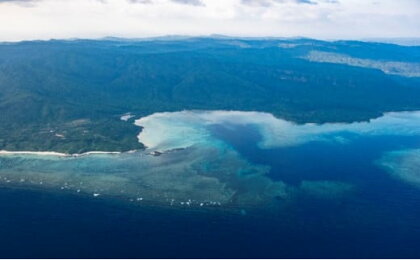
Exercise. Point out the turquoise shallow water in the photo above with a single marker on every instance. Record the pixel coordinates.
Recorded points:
(230, 184)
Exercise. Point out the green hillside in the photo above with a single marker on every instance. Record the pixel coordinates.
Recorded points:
(69, 95)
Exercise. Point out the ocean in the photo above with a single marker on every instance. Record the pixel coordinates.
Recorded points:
(342, 193)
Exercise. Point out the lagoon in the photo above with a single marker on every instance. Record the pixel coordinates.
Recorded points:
(355, 185)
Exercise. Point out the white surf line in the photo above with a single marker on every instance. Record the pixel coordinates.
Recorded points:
(5, 152)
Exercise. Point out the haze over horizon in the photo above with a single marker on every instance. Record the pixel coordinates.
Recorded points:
(320, 19)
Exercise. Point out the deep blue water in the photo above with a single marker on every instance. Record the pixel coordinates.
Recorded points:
(380, 218)
(37, 224)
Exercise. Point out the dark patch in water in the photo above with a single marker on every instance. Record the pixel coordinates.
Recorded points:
(51, 225)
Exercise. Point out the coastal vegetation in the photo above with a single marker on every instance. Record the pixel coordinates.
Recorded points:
(69, 96)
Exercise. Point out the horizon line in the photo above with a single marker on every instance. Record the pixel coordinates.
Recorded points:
(178, 37)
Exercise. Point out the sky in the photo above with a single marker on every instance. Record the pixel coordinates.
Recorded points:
(321, 19)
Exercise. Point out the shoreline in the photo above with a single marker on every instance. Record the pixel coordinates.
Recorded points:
(52, 153)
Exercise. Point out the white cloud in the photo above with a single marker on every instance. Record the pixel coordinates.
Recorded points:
(45, 19)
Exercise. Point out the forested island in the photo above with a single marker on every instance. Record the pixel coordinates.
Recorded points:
(69, 95)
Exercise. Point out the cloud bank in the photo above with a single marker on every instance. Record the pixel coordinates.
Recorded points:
(338, 19)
